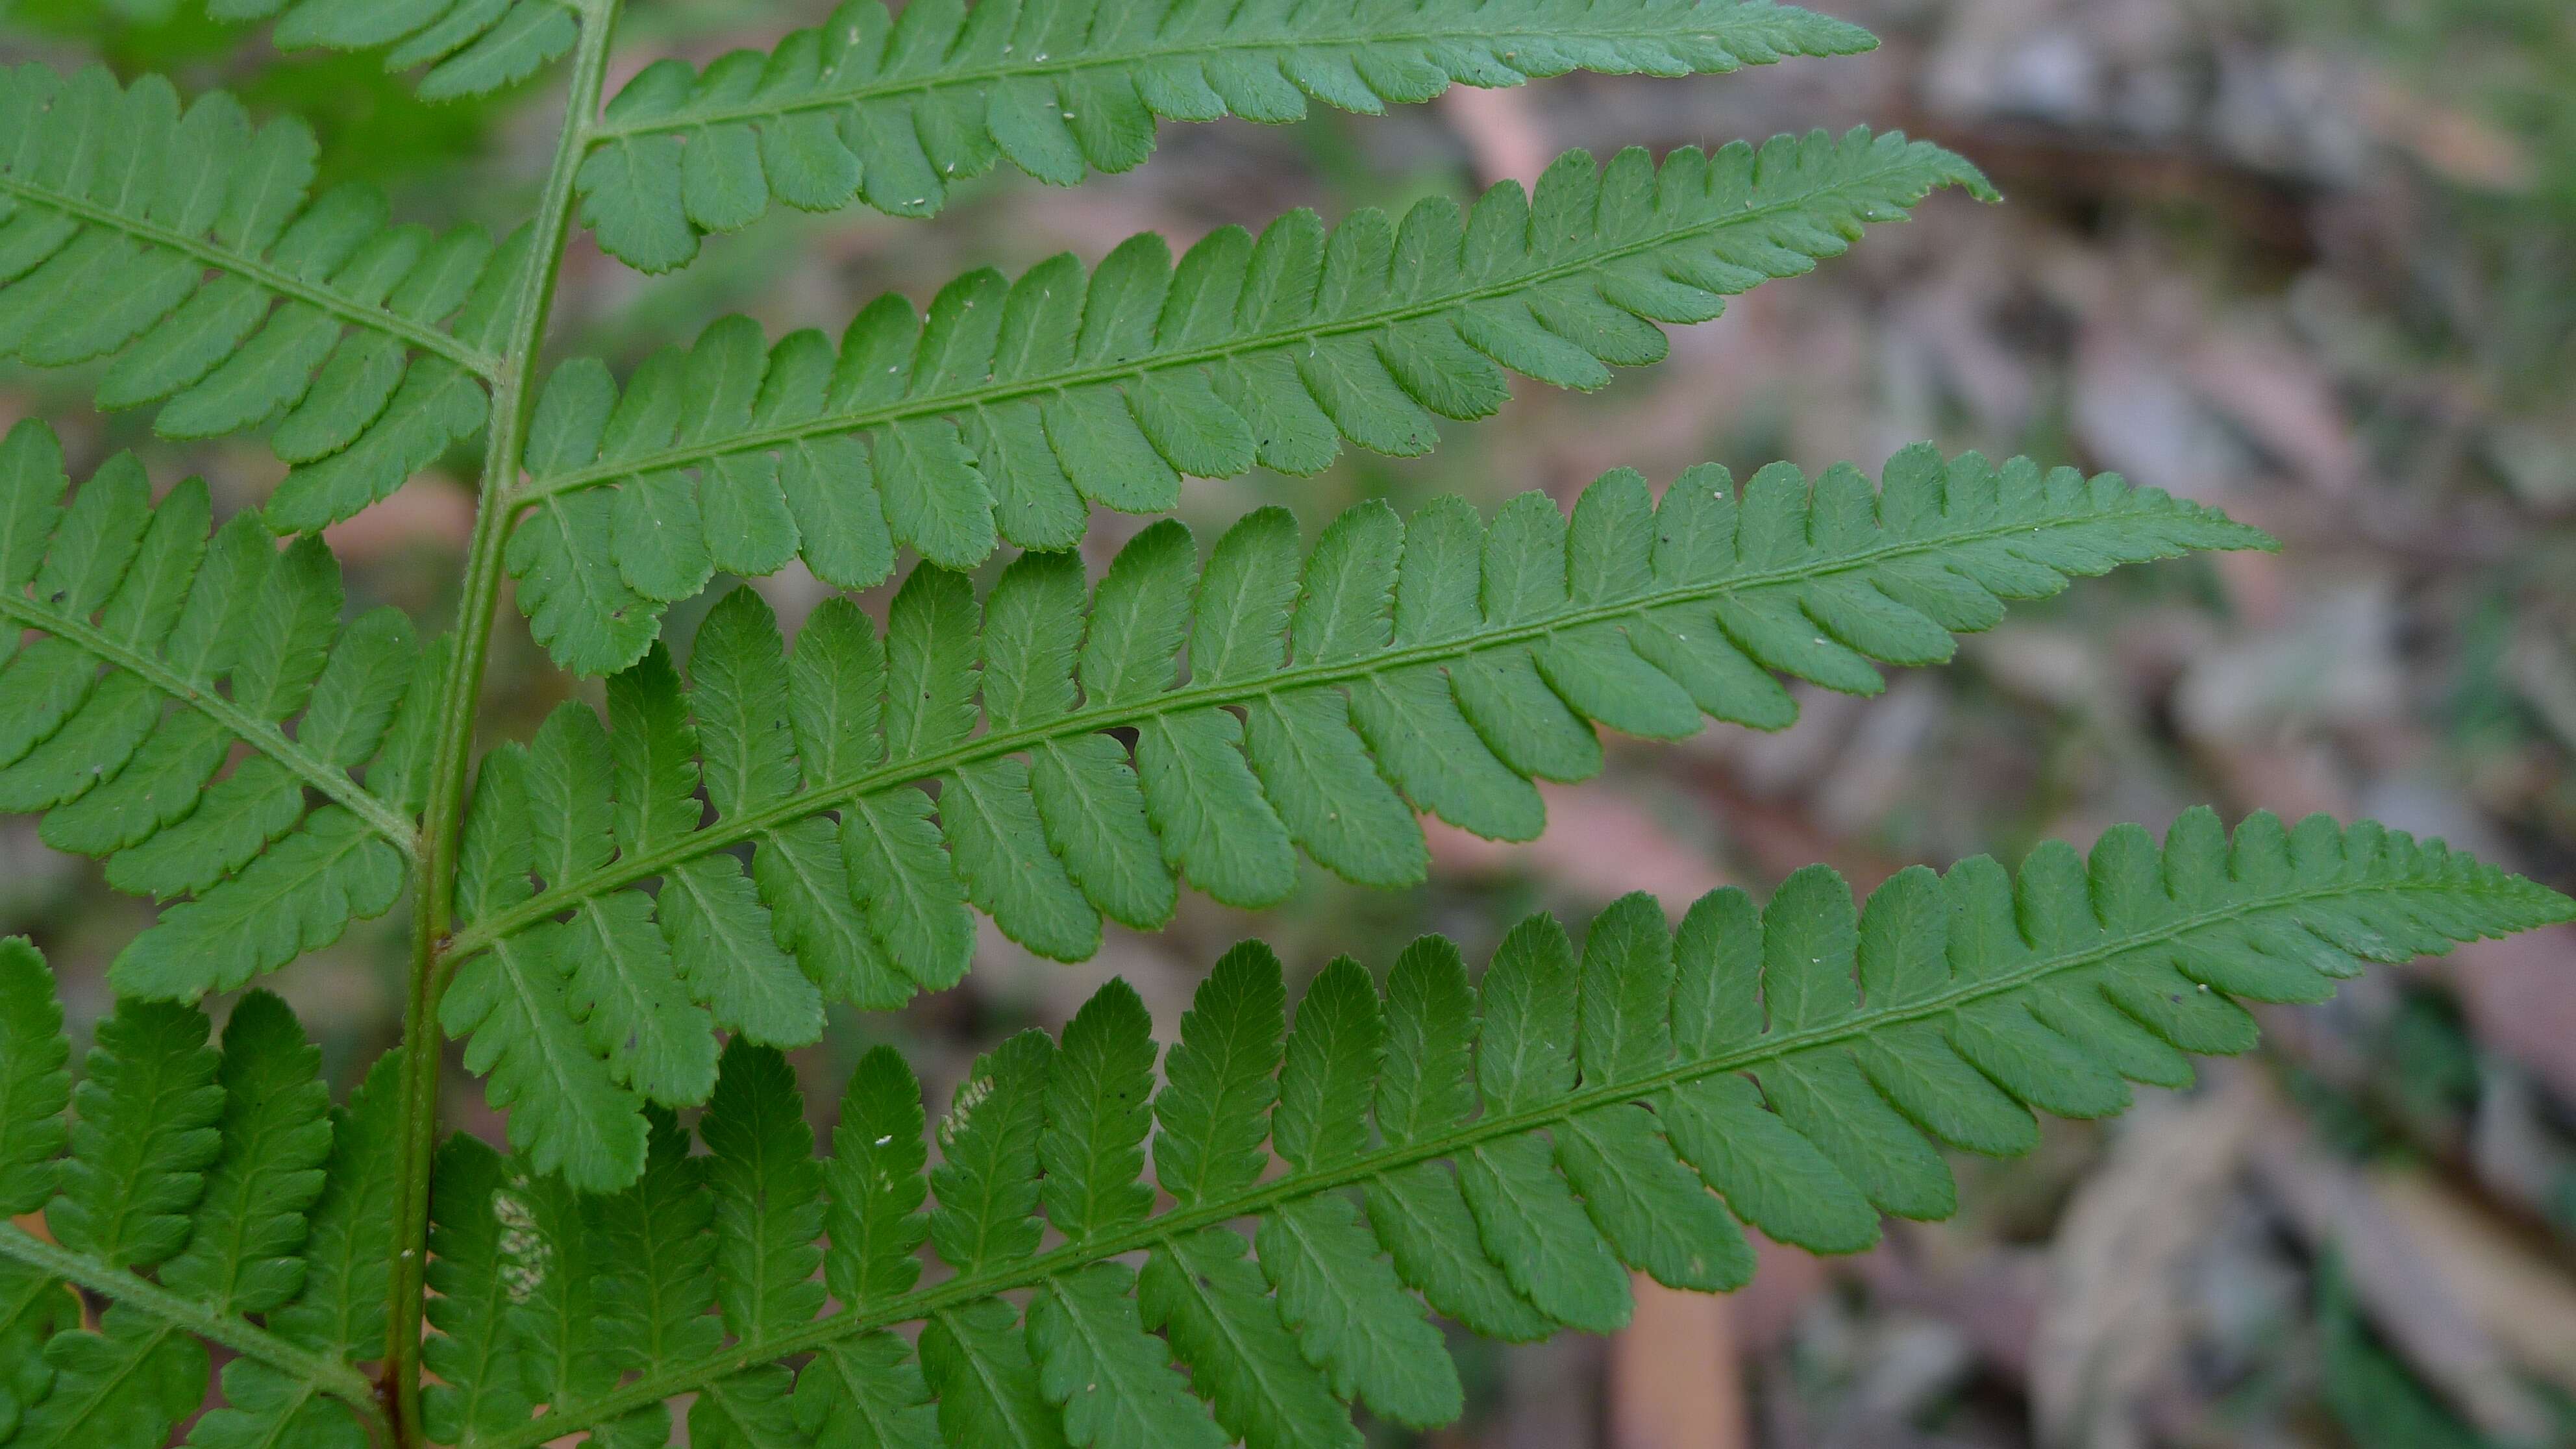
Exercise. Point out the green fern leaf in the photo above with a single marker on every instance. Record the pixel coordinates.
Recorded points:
(129, 1381)
(35, 1088)
(1435, 666)
(340, 1310)
(657, 1272)
(181, 245)
(147, 1110)
(1214, 1114)
(477, 1390)
(894, 111)
(1611, 1109)
(1626, 1104)
(551, 1259)
(768, 1194)
(244, 1250)
(1347, 1307)
(974, 1357)
(159, 649)
(1016, 406)
(35, 1080)
(204, 1168)
(1419, 1212)
(1093, 1150)
(470, 46)
(244, 1253)
(573, 1116)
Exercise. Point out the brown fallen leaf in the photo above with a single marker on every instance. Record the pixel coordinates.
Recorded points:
(2410, 1301)
(430, 510)
(1597, 843)
(1504, 136)
(2525, 1301)
(1674, 1382)
(2114, 1317)
(2521, 1000)
(2462, 148)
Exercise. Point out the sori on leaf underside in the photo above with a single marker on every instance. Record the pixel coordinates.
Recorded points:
(1500, 1152)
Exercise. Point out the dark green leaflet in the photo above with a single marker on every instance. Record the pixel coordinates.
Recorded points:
(1791, 1064)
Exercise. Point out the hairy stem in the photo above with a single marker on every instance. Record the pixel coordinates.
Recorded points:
(434, 876)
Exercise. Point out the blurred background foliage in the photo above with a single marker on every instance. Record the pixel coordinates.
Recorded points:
(2309, 260)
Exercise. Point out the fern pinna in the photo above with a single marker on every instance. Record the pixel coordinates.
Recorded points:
(1498, 1152)
(1018, 405)
(626, 919)
(159, 649)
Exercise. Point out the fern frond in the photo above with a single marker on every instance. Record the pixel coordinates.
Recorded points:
(1016, 406)
(894, 111)
(1437, 667)
(180, 245)
(1579, 1115)
(195, 1199)
(470, 46)
(159, 649)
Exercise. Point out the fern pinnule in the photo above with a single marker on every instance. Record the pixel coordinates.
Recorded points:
(1016, 406)
(1437, 666)
(160, 648)
(1503, 1153)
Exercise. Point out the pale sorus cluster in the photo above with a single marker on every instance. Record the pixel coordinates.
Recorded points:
(1243, 1235)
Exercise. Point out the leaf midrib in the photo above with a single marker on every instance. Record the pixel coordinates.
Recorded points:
(171, 1310)
(259, 734)
(482, 934)
(1272, 1195)
(879, 89)
(912, 408)
(266, 277)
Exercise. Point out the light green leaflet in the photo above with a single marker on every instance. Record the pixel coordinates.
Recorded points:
(160, 650)
(895, 111)
(1435, 666)
(180, 246)
(1016, 406)
(470, 46)
(1501, 1153)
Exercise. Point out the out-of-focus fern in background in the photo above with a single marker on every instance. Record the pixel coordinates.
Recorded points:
(2306, 260)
